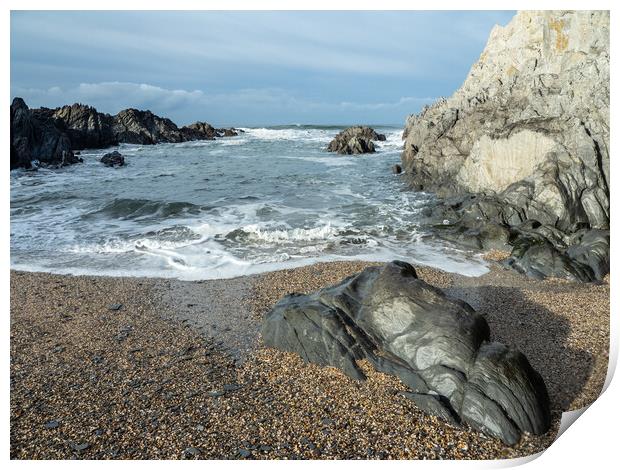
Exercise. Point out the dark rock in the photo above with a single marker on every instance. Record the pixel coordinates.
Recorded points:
(397, 169)
(53, 424)
(199, 131)
(37, 136)
(355, 140)
(133, 126)
(115, 307)
(113, 159)
(437, 345)
(87, 128)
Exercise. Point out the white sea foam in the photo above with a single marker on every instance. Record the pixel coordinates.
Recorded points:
(265, 200)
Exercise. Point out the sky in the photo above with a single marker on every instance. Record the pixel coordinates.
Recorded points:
(248, 68)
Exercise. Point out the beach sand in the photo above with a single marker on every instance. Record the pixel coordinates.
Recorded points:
(135, 368)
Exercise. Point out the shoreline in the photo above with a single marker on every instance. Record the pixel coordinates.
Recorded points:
(178, 371)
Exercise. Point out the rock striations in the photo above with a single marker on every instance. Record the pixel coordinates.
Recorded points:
(438, 346)
(36, 138)
(50, 136)
(524, 146)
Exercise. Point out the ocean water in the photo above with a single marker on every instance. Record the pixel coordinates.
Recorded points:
(267, 199)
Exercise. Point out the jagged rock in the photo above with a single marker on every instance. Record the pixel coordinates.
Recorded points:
(143, 127)
(397, 169)
(199, 131)
(355, 140)
(36, 136)
(437, 345)
(87, 128)
(528, 129)
(113, 159)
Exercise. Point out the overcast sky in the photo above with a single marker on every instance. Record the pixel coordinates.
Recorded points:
(247, 68)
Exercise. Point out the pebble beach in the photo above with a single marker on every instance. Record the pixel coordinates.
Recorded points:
(144, 368)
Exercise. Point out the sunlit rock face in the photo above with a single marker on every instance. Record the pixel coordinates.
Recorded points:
(529, 127)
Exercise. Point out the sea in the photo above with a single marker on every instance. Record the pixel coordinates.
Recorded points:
(267, 199)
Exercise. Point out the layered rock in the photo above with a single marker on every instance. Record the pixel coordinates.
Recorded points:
(38, 138)
(87, 128)
(438, 346)
(355, 140)
(527, 135)
(133, 126)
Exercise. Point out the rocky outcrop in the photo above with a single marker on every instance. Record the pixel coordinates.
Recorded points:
(113, 159)
(205, 131)
(438, 346)
(133, 126)
(37, 138)
(50, 135)
(355, 140)
(87, 128)
(525, 140)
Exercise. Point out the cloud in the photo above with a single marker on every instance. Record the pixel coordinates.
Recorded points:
(258, 106)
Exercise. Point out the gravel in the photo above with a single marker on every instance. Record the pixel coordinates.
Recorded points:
(179, 371)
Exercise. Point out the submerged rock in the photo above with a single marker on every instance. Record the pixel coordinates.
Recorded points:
(355, 140)
(438, 346)
(113, 159)
(527, 134)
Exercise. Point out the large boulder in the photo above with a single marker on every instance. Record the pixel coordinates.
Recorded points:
(529, 128)
(87, 128)
(438, 346)
(38, 137)
(355, 140)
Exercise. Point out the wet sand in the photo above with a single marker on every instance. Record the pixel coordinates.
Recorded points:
(178, 370)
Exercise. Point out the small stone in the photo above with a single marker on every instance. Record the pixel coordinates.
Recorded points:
(53, 424)
(115, 307)
(231, 387)
(191, 452)
(200, 427)
(80, 447)
(244, 453)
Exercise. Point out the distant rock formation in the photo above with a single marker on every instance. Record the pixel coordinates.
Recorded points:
(205, 131)
(355, 140)
(51, 135)
(521, 151)
(438, 346)
(37, 138)
(87, 128)
(133, 126)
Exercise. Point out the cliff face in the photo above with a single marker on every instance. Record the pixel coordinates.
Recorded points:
(527, 134)
(36, 136)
